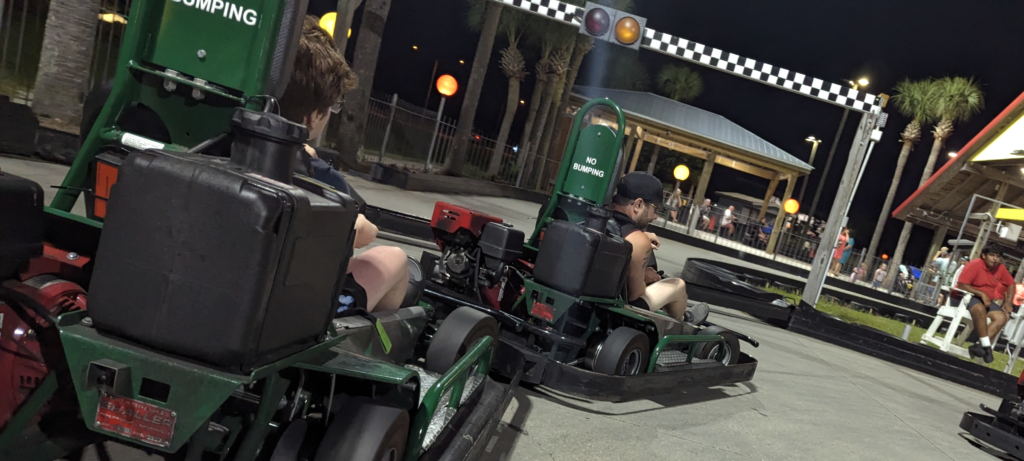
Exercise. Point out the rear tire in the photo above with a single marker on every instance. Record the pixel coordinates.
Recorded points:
(365, 432)
(457, 334)
(625, 352)
(709, 350)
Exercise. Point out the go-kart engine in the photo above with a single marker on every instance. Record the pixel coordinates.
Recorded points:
(476, 249)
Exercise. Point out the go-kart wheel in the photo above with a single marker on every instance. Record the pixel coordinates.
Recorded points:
(288, 446)
(625, 352)
(365, 432)
(458, 332)
(710, 350)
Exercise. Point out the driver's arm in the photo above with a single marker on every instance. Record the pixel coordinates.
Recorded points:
(635, 286)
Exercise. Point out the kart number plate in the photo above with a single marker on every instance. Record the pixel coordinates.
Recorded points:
(137, 420)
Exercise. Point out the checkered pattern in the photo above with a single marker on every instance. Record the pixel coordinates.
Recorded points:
(554, 9)
(841, 95)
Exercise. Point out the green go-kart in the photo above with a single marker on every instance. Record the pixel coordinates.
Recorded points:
(558, 295)
(212, 327)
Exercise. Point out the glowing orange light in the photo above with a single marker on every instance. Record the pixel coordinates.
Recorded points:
(627, 30)
(447, 85)
(885, 256)
(791, 206)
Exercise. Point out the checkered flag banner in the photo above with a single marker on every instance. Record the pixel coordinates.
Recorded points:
(554, 9)
(840, 95)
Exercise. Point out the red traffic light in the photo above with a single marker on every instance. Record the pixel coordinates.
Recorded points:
(597, 22)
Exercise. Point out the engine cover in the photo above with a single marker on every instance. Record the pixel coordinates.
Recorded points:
(450, 222)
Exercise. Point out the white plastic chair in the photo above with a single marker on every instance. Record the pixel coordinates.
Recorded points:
(957, 315)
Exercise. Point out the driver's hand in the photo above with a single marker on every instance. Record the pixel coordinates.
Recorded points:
(651, 276)
(1008, 308)
(986, 301)
(655, 243)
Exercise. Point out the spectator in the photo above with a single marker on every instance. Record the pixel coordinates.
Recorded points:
(764, 233)
(729, 220)
(879, 276)
(859, 273)
(993, 288)
(847, 251)
(837, 255)
(705, 214)
(674, 202)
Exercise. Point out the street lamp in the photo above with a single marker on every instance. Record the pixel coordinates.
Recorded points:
(814, 150)
(447, 86)
(863, 81)
(952, 155)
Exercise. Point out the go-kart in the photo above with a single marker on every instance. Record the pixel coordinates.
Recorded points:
(558, 295)
(211, 328)
(1002, 428)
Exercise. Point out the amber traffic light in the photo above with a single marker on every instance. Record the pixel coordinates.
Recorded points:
(598, 22)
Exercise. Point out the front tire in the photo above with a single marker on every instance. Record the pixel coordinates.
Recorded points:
(457, 334)
(710, 350)
(624, 353)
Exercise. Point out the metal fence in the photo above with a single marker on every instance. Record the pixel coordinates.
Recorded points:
(22, 25)
(402, 134)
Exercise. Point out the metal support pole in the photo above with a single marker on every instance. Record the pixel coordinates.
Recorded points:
(780, 219)
(437, 126)
(828, 163)
(837, 217)
(807, 179)
(430, 86)
(387, 131)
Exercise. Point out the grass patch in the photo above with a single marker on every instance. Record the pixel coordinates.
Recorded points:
(891, 326)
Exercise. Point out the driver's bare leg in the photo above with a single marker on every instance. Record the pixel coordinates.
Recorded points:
(998, 322)
(980, 317)
(668, 294)
(383, 273)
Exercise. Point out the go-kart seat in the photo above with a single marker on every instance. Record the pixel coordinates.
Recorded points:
(582, 259)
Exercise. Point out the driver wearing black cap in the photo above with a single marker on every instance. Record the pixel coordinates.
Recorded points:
(634, 206)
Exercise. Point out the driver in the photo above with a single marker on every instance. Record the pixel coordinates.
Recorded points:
(319, 81)
(634, 206)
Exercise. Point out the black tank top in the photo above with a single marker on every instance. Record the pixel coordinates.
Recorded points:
(623, 225)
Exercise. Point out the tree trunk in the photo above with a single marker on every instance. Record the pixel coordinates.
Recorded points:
(64, 62)
(364, 64)
(654, 159)
(531, 118)
(511, 104)
(552, 119)
(476, 83)
(583, 46)
(828, 164)
(942, 131)
(884, 215)
(346, 10)
(538, 130)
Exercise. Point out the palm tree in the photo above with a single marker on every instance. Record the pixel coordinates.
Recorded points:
(557, 67)
(563, 89)
(549, 37)
(68, 41)
(513, 65)
(364, 63)
(912, 101)
(625, 71)
(680, 83)
(488, 30)
(953, 99)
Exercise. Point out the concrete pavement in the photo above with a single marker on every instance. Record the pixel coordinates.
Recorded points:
(809, 400)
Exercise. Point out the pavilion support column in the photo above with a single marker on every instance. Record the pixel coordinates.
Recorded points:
(626, 151)
(768, 197)
(780, 220)
(705, 177)
(654, 159)
(985, 227)
(636, 150)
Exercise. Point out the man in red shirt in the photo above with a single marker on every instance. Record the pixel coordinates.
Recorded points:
(993, 288)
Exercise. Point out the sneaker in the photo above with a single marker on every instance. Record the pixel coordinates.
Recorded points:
(988, 355)
(976, 351)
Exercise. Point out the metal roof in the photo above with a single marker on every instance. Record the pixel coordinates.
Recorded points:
(698, 122)
(945, 198)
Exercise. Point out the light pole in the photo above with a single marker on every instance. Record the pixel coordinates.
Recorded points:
(447, 86)
(832, 150)
(814, 150)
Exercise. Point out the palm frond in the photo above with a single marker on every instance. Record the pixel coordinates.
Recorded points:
(475, 14)
(680, 83)
(913, 99)
(625, 71)
(957, 98)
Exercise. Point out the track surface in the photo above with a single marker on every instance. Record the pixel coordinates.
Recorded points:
(809, 400)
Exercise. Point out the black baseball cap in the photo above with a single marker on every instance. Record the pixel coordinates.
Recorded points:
(641, 185)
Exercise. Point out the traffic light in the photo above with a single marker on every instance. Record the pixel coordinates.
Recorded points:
(612, 25)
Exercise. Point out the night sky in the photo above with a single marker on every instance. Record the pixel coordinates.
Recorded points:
(884, 40)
